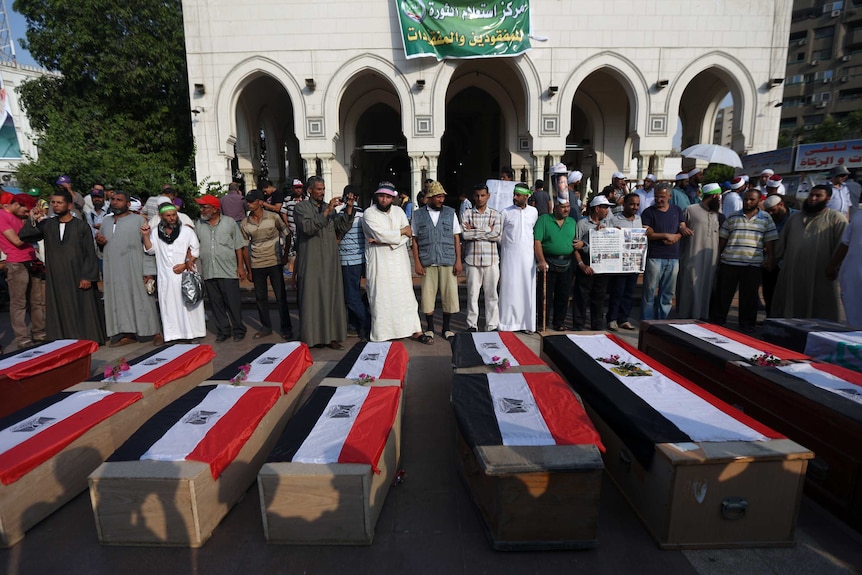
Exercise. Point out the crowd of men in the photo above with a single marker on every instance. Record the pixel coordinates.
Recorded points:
(705, 244)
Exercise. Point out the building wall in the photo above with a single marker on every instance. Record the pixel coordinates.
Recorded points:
(636, 43)
(824, 63)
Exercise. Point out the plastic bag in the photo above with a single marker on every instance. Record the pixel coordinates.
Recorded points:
(192, 287)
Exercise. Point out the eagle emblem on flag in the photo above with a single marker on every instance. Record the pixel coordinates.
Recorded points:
(511, 405)
(154, 361)
(490, 345)
(369, 357)
(200, 417)
(715, 340)
(268, 360)
(341, 411)
(32, 424)
(29, 354)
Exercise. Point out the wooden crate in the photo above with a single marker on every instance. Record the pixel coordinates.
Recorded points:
(834, 476)
(534, 498)
(56, 481)
(179, 503)
(16, 394)
(721, 494)
(332, 504)
(693, 494)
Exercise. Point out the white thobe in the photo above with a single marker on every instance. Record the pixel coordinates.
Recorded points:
(647, 199)
(179, 320)
(731, 202)
(518, 270)
(389, 277)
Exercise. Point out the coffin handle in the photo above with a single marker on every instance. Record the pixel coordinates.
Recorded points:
(625, 461)
(733, 508)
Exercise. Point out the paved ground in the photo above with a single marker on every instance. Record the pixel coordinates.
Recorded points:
(428, 524)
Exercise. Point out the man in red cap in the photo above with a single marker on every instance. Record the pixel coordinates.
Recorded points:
(222, 266)
(731, 201)
(24, 272)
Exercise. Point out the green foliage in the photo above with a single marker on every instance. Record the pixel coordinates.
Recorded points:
(718, 173)
(119, 114)
(830, 130)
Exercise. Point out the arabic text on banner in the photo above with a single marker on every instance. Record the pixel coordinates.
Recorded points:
(827, 155)
(615, 250)
(464, 29)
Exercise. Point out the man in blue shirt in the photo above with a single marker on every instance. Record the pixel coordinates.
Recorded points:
(351, 253)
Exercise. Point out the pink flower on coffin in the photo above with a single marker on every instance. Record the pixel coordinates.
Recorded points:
(495, 359)
(112, 372)
(365, 378)
(124, 366)
(242, 375)
(109, 371)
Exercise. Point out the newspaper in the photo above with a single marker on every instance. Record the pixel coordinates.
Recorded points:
(615, 250)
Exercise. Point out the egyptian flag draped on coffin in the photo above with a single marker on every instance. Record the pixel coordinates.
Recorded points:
(844, 349)
(164, 364)
(344, 424)
(644, 402)
(282, 363)
(833, 386)
(32, 361)
(491, 347)
(520, 409)
(209, 424)
(792, 333)
(383, 360)
(720, 344)
(41, 430)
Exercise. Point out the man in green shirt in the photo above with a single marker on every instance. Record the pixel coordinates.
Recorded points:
(554, 241)
(222, 267)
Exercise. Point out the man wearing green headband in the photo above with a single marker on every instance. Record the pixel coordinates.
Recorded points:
(518, 264)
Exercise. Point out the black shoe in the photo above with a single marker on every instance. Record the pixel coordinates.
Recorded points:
(473, 330)
(221, 338)
(239, 337)
(288, 335)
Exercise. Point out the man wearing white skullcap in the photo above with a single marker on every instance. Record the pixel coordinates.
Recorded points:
(731, 202)
(763, 178)
(695, 179)
(678, 197)
(647, 193)
(615, 191)
(774, 185)
(573, 180)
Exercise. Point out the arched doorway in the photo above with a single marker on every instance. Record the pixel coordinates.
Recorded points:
(266, 142)
(381, 151)
(708, 111)
(598, 140)
(472, 145)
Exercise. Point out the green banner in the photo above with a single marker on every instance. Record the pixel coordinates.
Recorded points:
(463, 29)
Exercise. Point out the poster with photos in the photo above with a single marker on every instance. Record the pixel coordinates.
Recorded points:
(615, 250)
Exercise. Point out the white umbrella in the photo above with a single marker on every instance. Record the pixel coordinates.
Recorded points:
(714, 154)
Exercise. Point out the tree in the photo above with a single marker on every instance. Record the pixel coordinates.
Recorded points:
(830, 130)
(119, 113)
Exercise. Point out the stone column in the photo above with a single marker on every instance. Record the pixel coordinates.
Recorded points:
(326, 173)
(432, 158)
(417, 162)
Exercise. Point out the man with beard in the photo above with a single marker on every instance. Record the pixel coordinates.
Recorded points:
(437, 257)
(678, 197)
(554, 236)
(698, 255)
(804, 249)
(695, 182)
(389, 281)
(621, 287)
(222, 267)
(731, 201)
(762, 179)
(351, 253)
(72, 301)
(747, 246)
(518, 264)
(483, 227)
(589, 287)
(129, 310)
(779, 211)
(646, 193)
(98, 211)
(318, 269)
(176, 248)
(615, 191)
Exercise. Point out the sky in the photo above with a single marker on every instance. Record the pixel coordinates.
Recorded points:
(18, 26)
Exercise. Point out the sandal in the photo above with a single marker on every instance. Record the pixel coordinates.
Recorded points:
(449, 335)
(423, 338)
(335, 345)
(261, 334)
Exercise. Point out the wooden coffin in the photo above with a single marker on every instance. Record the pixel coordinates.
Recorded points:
(30, 374)
(334, 503)
(792, 333)
(63, 475)
(180, 502)
(530, 458)
(475, 352)
(829, 423)
(840, 348)
(690, 492)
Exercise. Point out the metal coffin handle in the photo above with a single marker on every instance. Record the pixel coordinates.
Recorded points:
(733, 508)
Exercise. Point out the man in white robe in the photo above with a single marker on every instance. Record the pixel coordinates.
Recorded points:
(518, 265)
(176, 248)
(389, 281)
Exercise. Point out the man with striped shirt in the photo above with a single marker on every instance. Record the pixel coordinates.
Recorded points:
(746, 244)
(482, 228)
(351, 252)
